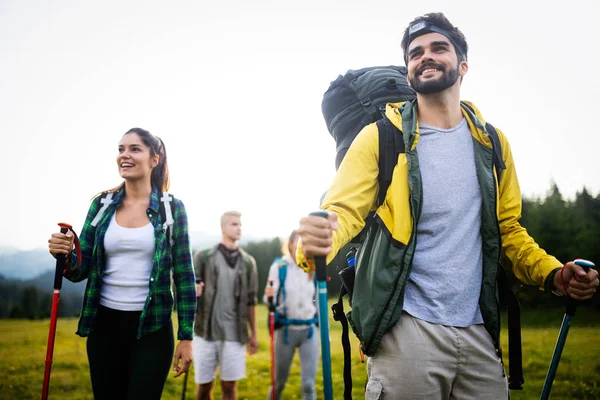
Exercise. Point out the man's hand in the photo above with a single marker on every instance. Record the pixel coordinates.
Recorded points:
(199, 289)
(577, 283)
(183, 357)
(252, 345)
(316, 234)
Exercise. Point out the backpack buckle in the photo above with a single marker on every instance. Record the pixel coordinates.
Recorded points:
(337, 311)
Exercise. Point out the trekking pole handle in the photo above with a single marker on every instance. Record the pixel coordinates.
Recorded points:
(321, 266)
(270, 298)
(61, 259)
(572, 303)
(585, 264)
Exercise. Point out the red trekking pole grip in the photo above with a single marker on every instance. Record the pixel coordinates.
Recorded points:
(61, 258)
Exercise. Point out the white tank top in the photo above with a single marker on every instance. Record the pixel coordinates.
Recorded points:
(129, 259)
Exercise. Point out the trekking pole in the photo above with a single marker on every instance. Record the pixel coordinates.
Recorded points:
(58, 274)
(562, 336)
(185, 378)
(272, 333)
(321, 274)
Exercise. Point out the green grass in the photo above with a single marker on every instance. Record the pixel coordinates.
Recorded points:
(23, 351)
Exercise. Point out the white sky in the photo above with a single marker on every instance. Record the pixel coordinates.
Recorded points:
(234, 88)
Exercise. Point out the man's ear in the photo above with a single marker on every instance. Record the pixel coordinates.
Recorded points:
(463, 68)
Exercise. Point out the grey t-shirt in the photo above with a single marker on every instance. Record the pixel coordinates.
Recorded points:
(223, 321)
(445, 281)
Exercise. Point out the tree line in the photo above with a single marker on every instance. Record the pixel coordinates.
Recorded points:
(567, 229)
(30, 300)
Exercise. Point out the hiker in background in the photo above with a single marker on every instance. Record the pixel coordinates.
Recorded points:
(227, 286)
(425, 297)
(295, 320)
(127, 259)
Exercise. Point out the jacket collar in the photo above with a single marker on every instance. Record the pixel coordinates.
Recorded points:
(154, 199)
(404, 117)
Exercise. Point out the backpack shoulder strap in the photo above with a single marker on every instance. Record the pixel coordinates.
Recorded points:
(105, 200)
(340, 315)
(166, 214)
(497, 155)
(282, 273)
(515, 353)
(497, 147)
(391, 144)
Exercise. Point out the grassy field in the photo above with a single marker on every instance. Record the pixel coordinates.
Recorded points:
(23, 350)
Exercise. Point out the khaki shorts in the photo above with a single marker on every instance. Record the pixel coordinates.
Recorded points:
(229, 356)
(421, 360)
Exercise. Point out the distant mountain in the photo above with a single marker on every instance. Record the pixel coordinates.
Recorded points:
(8, 249)
(25, 264)
(45, 283)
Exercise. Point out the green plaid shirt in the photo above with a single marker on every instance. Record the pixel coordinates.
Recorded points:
(159, 303)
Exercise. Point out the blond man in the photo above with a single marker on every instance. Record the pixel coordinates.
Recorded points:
(225, 324)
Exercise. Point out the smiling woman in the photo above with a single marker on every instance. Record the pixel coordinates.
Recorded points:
(140, 148)
(130, 246)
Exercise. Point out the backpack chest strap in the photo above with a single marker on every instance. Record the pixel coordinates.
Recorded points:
(106, 201)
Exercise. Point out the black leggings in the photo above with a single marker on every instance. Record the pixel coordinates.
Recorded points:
(123, 367)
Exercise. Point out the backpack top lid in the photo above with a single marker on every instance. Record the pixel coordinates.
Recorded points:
(358, 98)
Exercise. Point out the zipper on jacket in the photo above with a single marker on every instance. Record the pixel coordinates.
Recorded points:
(496, 183)
(413, 238)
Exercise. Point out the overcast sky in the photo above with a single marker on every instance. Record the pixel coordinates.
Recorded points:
(234, 88)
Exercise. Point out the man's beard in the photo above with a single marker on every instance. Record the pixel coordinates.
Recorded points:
(448, 79)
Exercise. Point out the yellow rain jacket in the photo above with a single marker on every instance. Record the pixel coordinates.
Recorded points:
(384, 260)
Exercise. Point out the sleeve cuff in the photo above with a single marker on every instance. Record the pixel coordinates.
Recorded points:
(185, 334)
(73, 266)
(549, 282)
